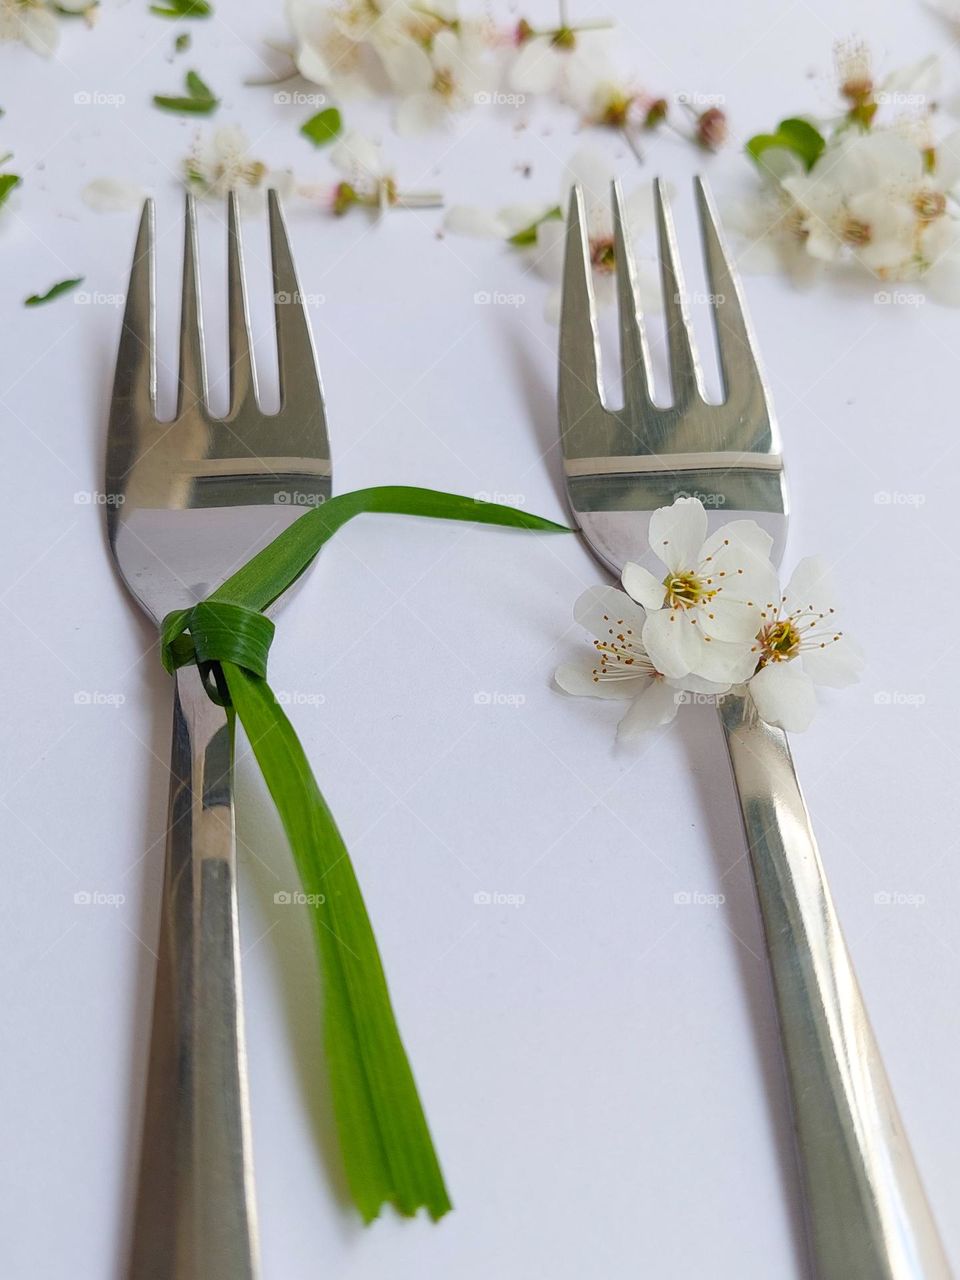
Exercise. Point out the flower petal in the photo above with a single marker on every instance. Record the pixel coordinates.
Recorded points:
(469, 220)
(407, 66)
(535, 68)
(109, 195)
(722, 662)
(784, 696)
(837, 665)
(677, 533)
(579, 679)
(673, 641)
(746, 533)
(642, 586)
(420, 113)
(810, 587)
(656, 706)
(604, 611)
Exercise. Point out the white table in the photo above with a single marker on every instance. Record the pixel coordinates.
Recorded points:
(600, 1063)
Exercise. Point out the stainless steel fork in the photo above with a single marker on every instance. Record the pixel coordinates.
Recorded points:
(191, 500)
(867, 1213)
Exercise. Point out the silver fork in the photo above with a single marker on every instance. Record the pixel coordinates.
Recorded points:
(867, 1214)
(191, 500)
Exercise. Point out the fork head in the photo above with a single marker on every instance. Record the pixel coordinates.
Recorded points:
(622, 463)
(190, 500)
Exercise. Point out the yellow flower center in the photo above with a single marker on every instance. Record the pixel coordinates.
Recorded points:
(684, 590)
(857, 232)
(780, 641)
(930, 205)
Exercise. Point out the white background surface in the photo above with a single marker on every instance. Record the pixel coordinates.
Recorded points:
(600, 1065)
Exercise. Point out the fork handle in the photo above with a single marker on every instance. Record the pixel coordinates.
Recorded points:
(867, 1214)
(195, 1213)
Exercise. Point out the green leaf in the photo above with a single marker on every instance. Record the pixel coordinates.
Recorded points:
(8, 183)
(322, 128)
(281, 562)
(201, 100)
(182, 42)
(55, 290)
(387, 1148)
(183, 9)
(794, 135)
(186, 106)
(197, 88)
(528, 235)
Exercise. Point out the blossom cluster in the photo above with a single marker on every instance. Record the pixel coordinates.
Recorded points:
(871, 187)
(715, 621)
(437, 62)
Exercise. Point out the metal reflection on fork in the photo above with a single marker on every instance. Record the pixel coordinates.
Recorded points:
(192, 499)
(867, 1213)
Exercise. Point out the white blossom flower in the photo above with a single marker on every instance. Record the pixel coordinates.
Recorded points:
(771, 227)
(369, 180)
(558, 62)
(592, 170)
(221, 164)
(619, 667)
(439, 79)
(704, 615)
(799, 647)
(333, 45)
(111, 195)
(32, 23)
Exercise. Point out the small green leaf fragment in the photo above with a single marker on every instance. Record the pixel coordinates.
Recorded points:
(55, 290)
(527, 236)
(322, 128)
(797, 136)
(197, 88)
(182, 9)
(182, 42)
(8, 183)
(201, 100)
(188, 106)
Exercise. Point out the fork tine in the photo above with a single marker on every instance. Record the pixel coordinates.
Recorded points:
(580, 389)
(734, 341)
(634, 357)
(193, 376)
(297, 359)
(135, 383)
(243, 377)
(683, 363)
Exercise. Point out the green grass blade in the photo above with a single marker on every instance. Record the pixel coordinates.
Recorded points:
(387, 1148)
